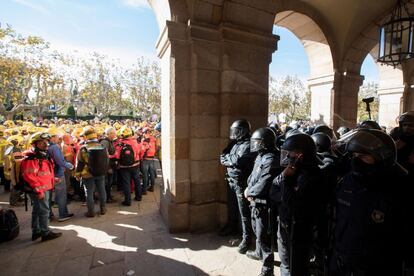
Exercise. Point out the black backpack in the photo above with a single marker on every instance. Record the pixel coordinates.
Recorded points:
(127, 156)
(98, 160)
(9, 225)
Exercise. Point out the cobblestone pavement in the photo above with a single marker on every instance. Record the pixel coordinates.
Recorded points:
(126, 241)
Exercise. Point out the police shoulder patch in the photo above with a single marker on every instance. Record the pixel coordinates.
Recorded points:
(377, 216)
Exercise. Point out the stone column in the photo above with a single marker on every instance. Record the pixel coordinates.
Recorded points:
(210, 76)
(390, 105)
(344, 99)
(390, 95)
(244, 85)
(321, 89)
(174, 50)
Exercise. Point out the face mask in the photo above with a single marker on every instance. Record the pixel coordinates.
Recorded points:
(359, 167)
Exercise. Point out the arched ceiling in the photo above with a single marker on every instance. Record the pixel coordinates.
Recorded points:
(312, 38)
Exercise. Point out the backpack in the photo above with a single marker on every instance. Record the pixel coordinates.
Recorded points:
(97, 160)
(127, 156)
(9, 225)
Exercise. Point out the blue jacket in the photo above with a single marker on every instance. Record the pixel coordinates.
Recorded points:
(60, 163)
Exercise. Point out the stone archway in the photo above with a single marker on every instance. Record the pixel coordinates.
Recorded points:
(319, 54)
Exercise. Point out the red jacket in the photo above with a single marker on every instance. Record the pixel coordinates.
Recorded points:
(148, 147)
(138, 153)
(37, 172)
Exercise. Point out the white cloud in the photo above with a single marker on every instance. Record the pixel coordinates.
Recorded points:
(126, 55)
(30, 4)
(137, 3)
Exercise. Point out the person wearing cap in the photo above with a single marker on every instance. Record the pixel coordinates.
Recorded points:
(13, 157)
(129, 154)
(38, 174)
(108, 142)
(148, 145)
(84, 171)
(3, 145)
(55, 153)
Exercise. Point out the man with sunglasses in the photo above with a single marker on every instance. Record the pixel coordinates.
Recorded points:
(37, 171)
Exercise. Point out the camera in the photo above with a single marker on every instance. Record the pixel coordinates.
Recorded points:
(368, 100)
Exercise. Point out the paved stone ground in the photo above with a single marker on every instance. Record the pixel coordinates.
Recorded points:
(126, 241)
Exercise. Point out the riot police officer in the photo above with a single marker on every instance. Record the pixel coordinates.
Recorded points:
(328, 166)
(266, 167)
(369, 124)
(405, 141)
(300, 186)
(238, 160)
(369, 229)
(324, 129)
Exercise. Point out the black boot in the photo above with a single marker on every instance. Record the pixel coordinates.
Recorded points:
(253, 255)
(243, 246)
(51, 236)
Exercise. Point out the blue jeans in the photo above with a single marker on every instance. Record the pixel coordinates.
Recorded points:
(126, 175)
(109, 180)
(40, 214)
(90, 184)
(148, 174)
(61, 197)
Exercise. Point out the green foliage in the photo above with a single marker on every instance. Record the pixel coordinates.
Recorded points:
(70, 111)
(366, 91)
(288, 95)
(32, 74)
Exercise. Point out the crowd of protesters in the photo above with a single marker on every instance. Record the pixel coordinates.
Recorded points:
(54, 162)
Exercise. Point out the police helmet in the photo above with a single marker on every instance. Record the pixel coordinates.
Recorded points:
(324, 129)
(275, 127)
(406, 119)
(322, 141)
(374, 142)
(369, 124)
(262, 139)
(240, 129)
(302, 143)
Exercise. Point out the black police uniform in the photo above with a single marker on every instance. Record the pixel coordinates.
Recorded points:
(300, 205)
(239, 162)
(265, 169)
(369, 229)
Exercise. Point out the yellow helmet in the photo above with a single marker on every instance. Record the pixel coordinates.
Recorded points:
(77, 132)
(125, 132)
(99, 130)
(8, 124)
(39, 136)
(16, 140)
(2, 130)
(117, 125)
(53, 131)
(31, 129)
(89, 133)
